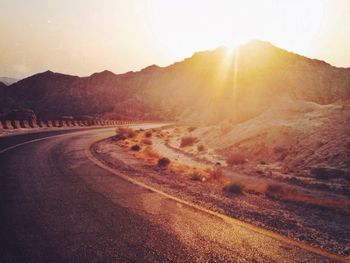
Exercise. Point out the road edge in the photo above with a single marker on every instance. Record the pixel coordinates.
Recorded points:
(99, 162)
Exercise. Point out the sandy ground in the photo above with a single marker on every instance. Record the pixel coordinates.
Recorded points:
(318, 223)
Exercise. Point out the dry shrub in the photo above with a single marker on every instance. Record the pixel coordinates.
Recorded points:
(150, 153)
(290, 194)
(234, 187)
(127, 132)
(201, 148)
(216, 173)
(322, 173)
(163, 162)
(235, 159)
(121, 130)
(188, 141)
(275, 191)
(197, 177)
(119, 137)
(135, 148)
(147, 141)
(131, 133)
(191, 129)
(148, 134)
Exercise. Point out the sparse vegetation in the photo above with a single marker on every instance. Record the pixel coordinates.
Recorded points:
(234, 188)
(201, 148)
(119, 137)
(235, 159)
(216, 173)
(274, 190)
(127, 132)
(151, 154)
(121, 130)
(290, 194)
(147, 141)
(326, 173)
(197, 177)
(163, 162)
(135, 148)
(188, 141)
(148, 134)
(320, 175)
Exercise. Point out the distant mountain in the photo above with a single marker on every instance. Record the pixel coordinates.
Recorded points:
(2, 93)
(8, 81)
(209, 86)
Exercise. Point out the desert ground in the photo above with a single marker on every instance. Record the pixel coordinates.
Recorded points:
(286, 170)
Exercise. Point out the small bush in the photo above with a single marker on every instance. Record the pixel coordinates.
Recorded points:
(147, 141)
(234, 188)
(274, 190)
(196, 177)
(191, 129)
(119, 137)
(135, 148)
(216, 173)
(235, 159)
(188, 141)
(131, 133)
(150, 153)
(163, 162)
(127, 132)
(121, 130)
(201, 148)
(322, 173)
(148, 134)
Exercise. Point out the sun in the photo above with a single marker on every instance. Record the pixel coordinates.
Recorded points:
(181, 27)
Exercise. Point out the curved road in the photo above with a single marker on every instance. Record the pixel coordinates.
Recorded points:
(58, 206)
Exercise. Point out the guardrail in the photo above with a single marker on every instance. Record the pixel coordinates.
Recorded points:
(30, 124)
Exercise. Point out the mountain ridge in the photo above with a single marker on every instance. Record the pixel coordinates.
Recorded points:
(8, 81)
(202, 87)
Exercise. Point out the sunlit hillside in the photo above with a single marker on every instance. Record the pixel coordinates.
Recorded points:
(210, 86)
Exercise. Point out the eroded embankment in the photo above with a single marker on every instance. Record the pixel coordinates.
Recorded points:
(319, 226)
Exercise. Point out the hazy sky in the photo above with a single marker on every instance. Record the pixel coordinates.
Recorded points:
(80, 37)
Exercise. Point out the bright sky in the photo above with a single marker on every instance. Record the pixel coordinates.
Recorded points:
(84, 36)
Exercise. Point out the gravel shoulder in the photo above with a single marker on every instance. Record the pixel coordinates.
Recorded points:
(319, 226)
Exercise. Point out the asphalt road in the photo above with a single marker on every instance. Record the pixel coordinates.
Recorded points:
(58, 206)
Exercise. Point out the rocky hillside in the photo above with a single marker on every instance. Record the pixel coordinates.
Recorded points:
(209, 86)
(293, 135)
(2, 92)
